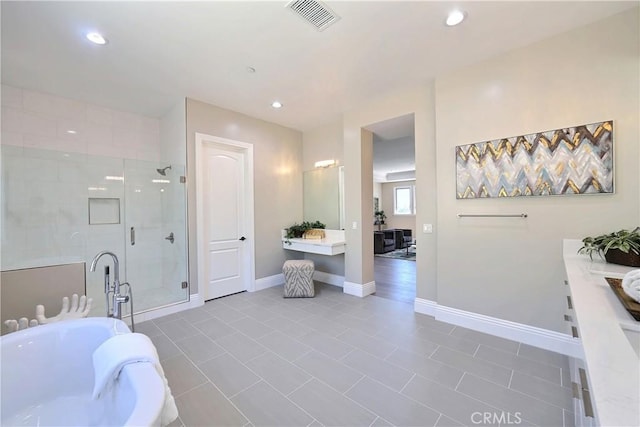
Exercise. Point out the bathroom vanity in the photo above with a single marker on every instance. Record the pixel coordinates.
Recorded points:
(333, 244)
(606, 381)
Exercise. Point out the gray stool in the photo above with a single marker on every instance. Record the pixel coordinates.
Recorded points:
(298, 278)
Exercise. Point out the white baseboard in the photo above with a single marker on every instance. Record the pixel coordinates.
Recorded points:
(268, 282)
(537, 337)
(359, 290)
(194, 301)
(331, 279)
(425, 306)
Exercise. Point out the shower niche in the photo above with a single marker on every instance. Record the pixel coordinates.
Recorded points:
(62, 208)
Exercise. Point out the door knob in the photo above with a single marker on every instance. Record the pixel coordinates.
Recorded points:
(242, 238)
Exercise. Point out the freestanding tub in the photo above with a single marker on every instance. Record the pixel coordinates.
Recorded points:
(47, 379)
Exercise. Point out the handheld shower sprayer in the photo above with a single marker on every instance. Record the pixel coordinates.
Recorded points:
(163, 171)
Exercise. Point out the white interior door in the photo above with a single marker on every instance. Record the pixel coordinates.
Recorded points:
(224, 221)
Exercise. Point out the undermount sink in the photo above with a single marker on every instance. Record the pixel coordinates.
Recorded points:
(634, 339)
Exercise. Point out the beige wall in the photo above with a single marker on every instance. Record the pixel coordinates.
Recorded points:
(397, 221)
(322, 143)
(359, 182)
(277, 180)
(512, 268)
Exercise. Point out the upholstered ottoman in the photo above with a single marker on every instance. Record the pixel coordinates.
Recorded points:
(298, 278)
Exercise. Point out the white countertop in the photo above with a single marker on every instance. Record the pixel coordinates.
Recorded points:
(612, 364)
(334, 243)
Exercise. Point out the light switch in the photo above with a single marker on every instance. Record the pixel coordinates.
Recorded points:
(427, 228)
(354, 225)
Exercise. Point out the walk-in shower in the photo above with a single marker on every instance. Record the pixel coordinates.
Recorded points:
(62, 208)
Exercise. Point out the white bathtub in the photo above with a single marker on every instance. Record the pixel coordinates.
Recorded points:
(47, 379)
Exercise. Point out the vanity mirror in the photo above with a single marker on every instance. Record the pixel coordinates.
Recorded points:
(324, 196)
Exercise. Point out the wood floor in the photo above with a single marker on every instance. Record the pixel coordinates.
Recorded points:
(395, 279)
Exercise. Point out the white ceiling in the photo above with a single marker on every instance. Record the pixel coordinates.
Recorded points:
(160, 52)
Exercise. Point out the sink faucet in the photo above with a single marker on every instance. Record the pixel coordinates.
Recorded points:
(117, 298)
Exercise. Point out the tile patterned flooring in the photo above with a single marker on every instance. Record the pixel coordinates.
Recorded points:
(255, 359)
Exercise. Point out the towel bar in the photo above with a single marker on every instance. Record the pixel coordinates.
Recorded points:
(521, 215)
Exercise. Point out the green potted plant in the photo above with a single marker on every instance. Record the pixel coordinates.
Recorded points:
(380, 217)
(621, 247)
(297, 230)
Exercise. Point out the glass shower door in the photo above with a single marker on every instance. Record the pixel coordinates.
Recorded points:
(155, 234)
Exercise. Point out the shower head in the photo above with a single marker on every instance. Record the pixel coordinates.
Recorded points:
(163, 171)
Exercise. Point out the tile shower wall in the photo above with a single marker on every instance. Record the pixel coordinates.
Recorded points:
(39, 120)
(56, 154)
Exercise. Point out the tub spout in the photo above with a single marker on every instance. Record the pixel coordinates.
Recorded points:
(117, 298)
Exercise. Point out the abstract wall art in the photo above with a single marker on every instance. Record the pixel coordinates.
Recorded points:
(575, 160)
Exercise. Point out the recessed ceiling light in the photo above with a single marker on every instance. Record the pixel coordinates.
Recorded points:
(96, 38)
(276, 104)
(455, 17)
(71, 131)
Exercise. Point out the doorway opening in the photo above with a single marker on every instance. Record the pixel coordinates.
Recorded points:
(394, 208)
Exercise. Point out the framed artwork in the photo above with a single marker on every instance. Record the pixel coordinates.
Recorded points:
(574, 160)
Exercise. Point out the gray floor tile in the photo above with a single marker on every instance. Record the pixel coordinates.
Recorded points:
(381, 422)
(241, 346)
(251, 327)
(283, 345)
(328, 370)
(259, 313)
(486, 339)
(206, 406)
(511, 401)
(265, 406)
(569, 419)
(324, 325)
(521, 364)
(168, 318)
(329, 407)
(390, 375)
(148, 328)
(374, 346)
(279, 373)
(543, 390)
(294, 314)
(176, 423)
(165, 347)
(392, 406)
(442, 399)
(214, 328)
(178, 329)
(326, 344)
(195, 315)
(464, 362)
(428, 322)
(543, 356)
(449, 341)
(445, 421)
(288, 327)
(427, 368)
(229, 375)
(410, 342)
(199, 348)
(182, 374)
(224, 313)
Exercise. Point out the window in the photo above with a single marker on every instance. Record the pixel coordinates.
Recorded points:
(404, 200)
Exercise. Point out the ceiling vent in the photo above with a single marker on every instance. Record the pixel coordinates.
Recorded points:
(314, 12)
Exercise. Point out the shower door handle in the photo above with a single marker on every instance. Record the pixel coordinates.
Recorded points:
(133, 236)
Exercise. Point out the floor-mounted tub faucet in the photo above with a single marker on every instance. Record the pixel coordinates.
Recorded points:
(117, 298)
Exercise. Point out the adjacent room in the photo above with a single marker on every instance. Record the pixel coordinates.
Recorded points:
(307, 213)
